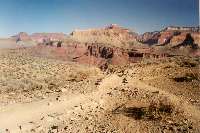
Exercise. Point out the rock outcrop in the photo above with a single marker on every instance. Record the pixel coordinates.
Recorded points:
(183, 37)
(171, 36)
(111, 45)
(112, 34)
(149, 38)
(98, 54)
(187, 41)
(166, 36)
(196, 37)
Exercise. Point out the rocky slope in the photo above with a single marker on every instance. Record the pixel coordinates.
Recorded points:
(100, 55)
(77, 86)
(46, 95)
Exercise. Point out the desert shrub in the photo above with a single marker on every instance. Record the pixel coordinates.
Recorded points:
(155, 111)
(82, 74)
(78, 76)
(189, 77)
(188, 64)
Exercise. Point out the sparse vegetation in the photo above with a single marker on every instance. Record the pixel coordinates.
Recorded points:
(155, 111)
(122, 85)
(189, 77)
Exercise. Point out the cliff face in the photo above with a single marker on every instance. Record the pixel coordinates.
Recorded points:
(170, 36)
(149, 38)
(97, 54)
(112, 34)
(196, 37)
(108, 45)
(183, 36)
(165, 37)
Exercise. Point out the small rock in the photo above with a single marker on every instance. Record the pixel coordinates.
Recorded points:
(124, 80)
(63, 90)
(20, 127)
(109, 93)
(50, 104)
(7, 131)
(97, 83)
(86, 118)
(65, 128)
(54, 127)
(169, 121)
(32, 130)
(155, 92)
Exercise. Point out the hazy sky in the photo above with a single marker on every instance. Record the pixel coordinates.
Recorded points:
(66, 15)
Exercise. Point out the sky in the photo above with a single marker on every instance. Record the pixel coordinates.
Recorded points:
(66, 15)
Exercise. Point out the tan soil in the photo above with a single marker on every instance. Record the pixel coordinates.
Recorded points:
(46, 95)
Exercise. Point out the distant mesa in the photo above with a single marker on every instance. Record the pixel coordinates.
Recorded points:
(22, 36)
(111, 34)
(174, 28)
(39, 37)
(119, 36)
(114, 44)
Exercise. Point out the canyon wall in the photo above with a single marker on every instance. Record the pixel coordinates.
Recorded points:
(112, 35)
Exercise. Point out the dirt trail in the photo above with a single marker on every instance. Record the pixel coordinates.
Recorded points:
(20, 114)
(17, 115)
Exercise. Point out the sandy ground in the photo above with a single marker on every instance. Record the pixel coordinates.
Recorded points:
(7, 43)
(45, 95)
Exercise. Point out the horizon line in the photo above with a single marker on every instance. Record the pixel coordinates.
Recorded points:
(68, 33)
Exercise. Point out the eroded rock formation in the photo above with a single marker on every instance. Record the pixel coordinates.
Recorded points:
(112, 34)
(170, 35)
(99, 54)
(111, 45)
(149, 38)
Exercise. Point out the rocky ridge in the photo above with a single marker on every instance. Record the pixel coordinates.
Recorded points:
(170, 35)
(112, 35)
(115, 45)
